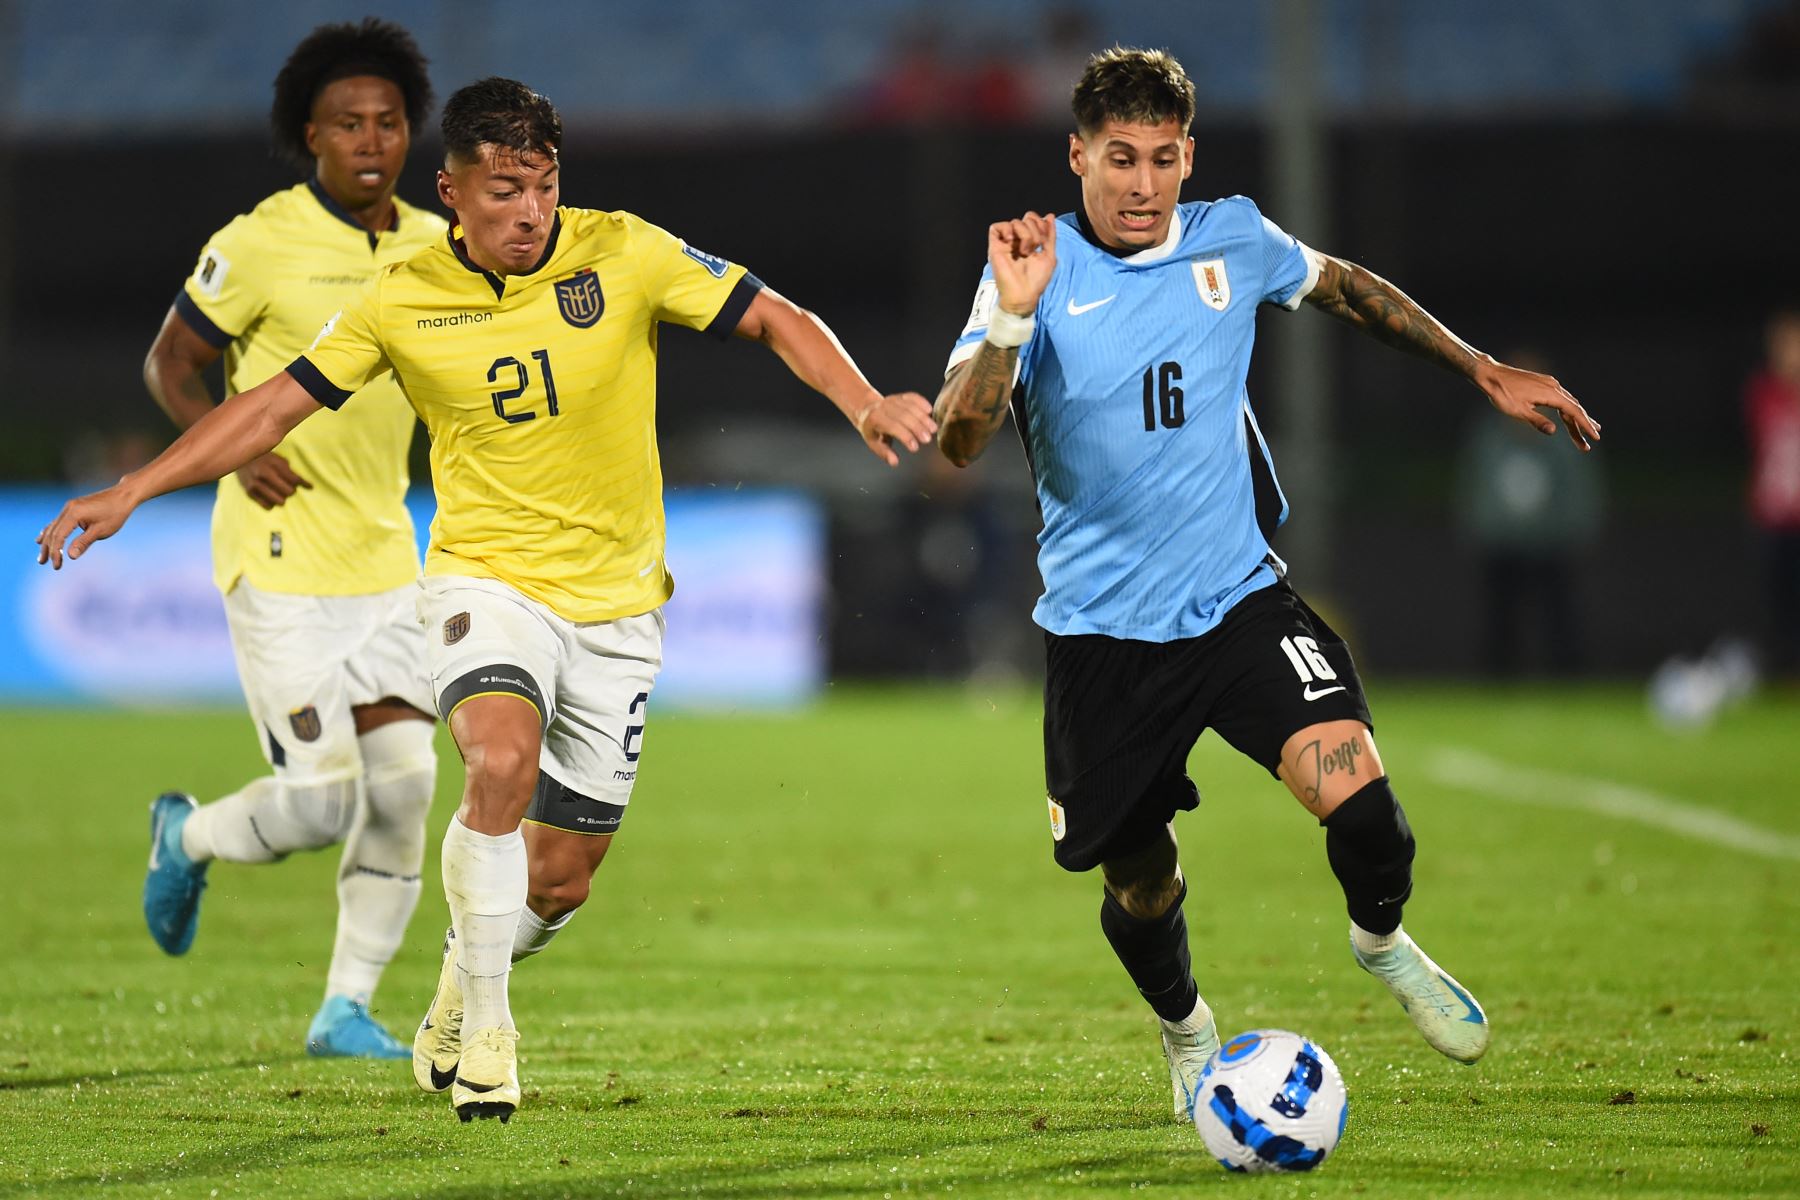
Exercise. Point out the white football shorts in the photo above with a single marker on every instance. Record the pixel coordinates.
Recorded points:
(305, 661)
(590, 682)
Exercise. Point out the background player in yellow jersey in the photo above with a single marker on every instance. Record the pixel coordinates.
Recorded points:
(527, 341)
(312, 546)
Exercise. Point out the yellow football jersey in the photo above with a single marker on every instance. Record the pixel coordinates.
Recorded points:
(539, 392)
(264, 285)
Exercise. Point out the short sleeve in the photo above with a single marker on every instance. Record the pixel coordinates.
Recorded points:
(348, 353)
(685, 286)
(974, 331)
(1290, 268)
(225, 295)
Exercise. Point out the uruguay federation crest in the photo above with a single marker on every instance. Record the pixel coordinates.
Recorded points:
(579, 300)
(1212, 282)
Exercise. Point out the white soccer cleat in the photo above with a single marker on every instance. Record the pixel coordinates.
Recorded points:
(1188, 1045)
(438, 1044)
(487, 1075)
(1442, 1008)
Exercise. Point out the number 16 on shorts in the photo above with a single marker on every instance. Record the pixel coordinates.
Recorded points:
(1310, 665)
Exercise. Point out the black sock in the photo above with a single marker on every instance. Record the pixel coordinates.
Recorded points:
(1370, 847)
(1155, 955)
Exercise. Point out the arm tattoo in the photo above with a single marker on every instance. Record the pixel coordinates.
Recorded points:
(1378, 308)
(974, 401)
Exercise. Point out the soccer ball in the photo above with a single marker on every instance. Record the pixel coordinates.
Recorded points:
(1270, 1100)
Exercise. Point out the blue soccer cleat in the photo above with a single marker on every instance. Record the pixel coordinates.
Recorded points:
(1441, 1008)
(343, 1028)
(173, 883)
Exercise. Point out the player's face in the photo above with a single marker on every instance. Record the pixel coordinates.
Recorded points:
(1131, 179)
(506, 205)
(358, 134)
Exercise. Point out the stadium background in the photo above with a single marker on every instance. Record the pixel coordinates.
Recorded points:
(1595, 184)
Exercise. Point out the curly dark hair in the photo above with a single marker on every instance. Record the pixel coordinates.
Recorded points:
(503, 113)
(1140, 86)
(333, 52)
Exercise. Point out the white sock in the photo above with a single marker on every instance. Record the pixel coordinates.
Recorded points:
(534, 933)
(378, 877)
(1197, 1019)
(485, 881)
(1373, 943)
(270, 818)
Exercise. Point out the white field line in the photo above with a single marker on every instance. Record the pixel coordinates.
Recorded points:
(1470, 770)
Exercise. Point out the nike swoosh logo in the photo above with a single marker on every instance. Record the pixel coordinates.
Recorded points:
(442, 1079)
(1075, 310)
(1310, 694)
(467, 1086)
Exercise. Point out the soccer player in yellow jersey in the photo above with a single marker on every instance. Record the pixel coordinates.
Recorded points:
(527, 341)
(312, 546)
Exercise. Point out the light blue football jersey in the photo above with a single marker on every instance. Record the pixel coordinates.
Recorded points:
(1156, 487)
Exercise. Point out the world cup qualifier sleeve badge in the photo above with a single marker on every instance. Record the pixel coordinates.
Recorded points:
(579, 299)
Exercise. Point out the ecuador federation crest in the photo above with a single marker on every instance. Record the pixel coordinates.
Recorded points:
(305, 722)
(579, 300)
(1213, 284)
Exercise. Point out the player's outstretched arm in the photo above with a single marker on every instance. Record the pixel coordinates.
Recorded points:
(173, 374)
(815, 356)
(1384, 312)
(972, 404)
(248, 424)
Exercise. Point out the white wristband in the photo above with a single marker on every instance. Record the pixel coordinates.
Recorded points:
(1009, 330)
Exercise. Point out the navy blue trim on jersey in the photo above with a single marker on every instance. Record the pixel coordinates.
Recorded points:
(1270, 506)
(1087, 231)
(725, 321)
(317, 386)
(494, 281)
(200, 323)
(462, 256)
(343, 214)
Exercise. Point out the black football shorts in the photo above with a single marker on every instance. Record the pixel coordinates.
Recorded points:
(1121, 717)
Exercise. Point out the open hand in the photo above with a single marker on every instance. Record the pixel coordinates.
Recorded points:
(98, 515)
(1523, 395)
(903, 417)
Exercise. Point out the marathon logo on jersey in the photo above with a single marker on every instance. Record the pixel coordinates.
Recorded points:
(209, 277)
(712, 262)
(579, 298)
(456, 629)
(1212, 282)
(1059, 823)
(306, 723)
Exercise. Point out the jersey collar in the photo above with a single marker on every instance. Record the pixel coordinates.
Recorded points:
(494, 281)
(343, 214)
(1149, 254)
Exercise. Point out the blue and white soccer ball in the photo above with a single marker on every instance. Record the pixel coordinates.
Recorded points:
(1270, 1100)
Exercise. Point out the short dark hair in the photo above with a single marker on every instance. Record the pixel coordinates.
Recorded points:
(1144, 87)
(503, 113)
(333, 52)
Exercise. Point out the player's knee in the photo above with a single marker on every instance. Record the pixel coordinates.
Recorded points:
(1370, 847)
(319, 809)
(502, 766)
(1372, 826)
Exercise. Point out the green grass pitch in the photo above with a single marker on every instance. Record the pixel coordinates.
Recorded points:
(830, 956)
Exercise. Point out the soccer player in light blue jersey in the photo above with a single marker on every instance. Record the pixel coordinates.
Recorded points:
(1119, 336)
